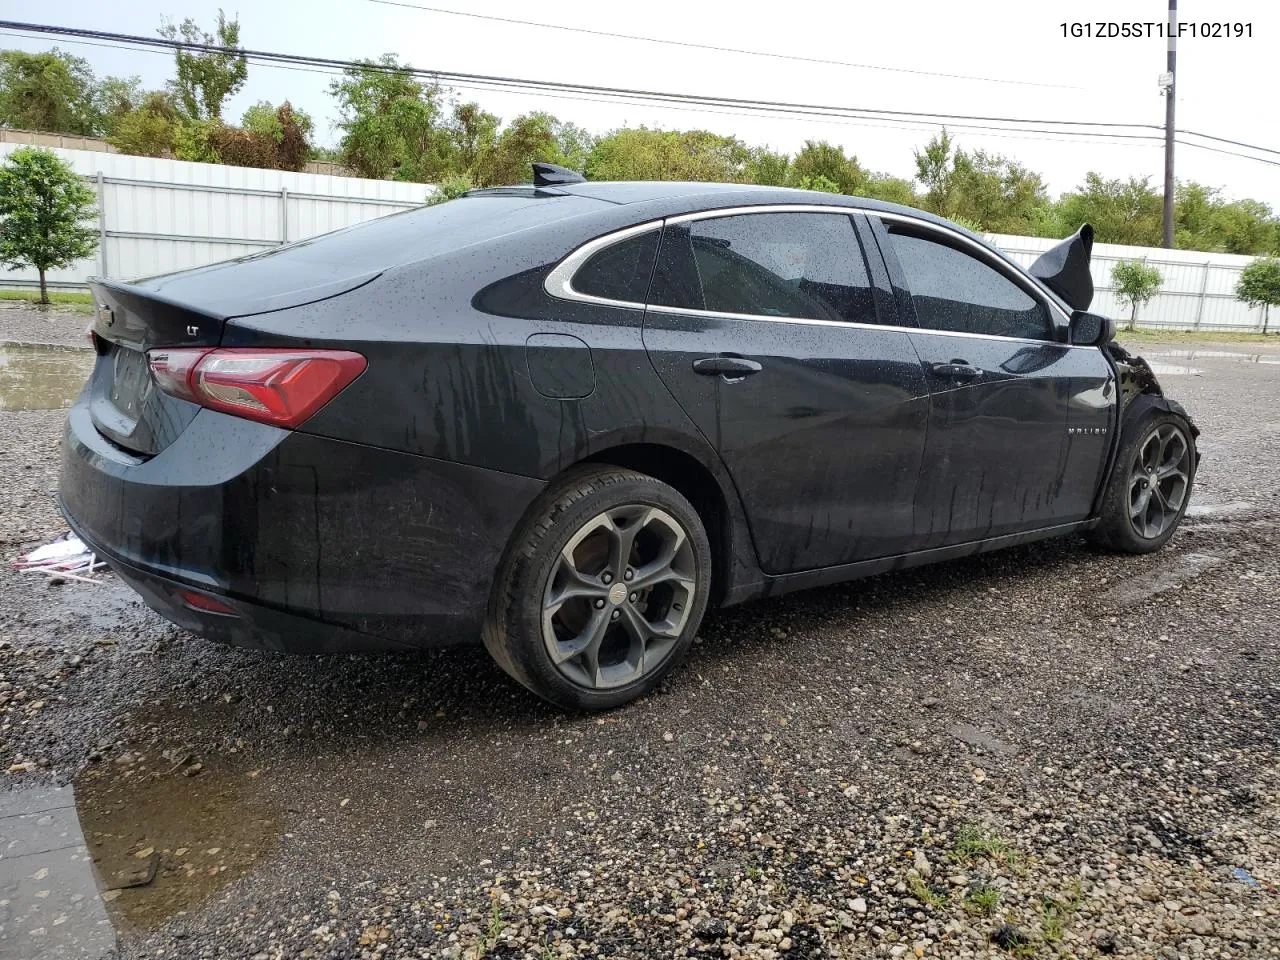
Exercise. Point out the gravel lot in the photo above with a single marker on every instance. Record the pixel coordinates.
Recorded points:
(1044, 752)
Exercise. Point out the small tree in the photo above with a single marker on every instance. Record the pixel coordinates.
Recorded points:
(43, 206)
(1136, 283)
(1259, 286)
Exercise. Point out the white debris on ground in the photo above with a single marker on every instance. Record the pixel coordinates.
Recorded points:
(66, 557)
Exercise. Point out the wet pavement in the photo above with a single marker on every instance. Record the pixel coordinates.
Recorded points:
(50, 903)
(1117, 719)
(41, 376)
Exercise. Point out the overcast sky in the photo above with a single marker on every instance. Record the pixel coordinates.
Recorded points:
(1226, 87)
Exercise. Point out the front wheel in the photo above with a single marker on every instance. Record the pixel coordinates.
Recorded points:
(1150, 486)
(602, 589)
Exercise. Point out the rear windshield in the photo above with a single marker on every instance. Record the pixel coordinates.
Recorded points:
(376, 245)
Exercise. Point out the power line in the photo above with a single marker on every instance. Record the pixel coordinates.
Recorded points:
(1229, 153)
(844, 116)
(1002, 133)
(1234, 143)
(719, 49)
(653, 95)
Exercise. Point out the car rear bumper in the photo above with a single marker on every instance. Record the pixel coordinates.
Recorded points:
(318, 544)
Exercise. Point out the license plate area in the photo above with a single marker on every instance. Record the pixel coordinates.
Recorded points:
(130, 381)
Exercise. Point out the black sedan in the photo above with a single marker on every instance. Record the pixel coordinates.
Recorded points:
(566, 418)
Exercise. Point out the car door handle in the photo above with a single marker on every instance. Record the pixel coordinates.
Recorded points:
(955, 370)
(727, 366)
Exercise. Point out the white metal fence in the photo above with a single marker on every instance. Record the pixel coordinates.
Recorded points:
(160, 215)
(1197, 292)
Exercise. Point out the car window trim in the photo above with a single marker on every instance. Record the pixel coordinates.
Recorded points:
(559, 282)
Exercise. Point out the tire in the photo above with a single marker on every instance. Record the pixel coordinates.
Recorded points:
(1119, 528)
(570, 546)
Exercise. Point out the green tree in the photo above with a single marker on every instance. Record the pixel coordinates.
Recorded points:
(640, 153)
(818, 158)
(265, 120)
(508, 159)
(935, 169)
(882, 186)
(574, 144)
(1247, 227)
(1205, 221)
(998, 193)
(43, 208)
(818, 182)
(148, 130)
(206, 78)
(113, 99)
(393, 126)
(1121, 211)
(450, 188)
(1135, 284)
(194, 140)
(1259, 286)
(473, 132)
(766, 167)
(273, 138)
(51, 91)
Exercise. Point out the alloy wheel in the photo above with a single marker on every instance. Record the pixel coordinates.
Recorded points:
(618, 596)
(1159, 480)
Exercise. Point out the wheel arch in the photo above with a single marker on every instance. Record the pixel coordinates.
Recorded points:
(1137, 410)
(696, 482)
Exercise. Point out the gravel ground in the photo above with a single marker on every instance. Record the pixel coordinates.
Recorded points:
(21, 323)
(1044, 752)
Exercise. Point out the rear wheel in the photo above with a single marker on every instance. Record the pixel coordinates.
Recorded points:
(602, 589)
(1150, 487)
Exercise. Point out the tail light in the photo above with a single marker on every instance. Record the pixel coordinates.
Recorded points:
(278, 386)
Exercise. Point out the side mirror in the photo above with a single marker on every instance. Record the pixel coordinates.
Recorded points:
(1090, 329)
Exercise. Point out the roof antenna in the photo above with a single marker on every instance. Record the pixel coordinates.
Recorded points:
(549, 175)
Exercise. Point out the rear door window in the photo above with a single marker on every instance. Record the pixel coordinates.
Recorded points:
(805, 266)
(953, 290)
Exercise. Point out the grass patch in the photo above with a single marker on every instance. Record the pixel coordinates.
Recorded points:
(496, 925)
(972, 844)
(1052, 921)
(1149, 335)
(1055, 914)
(982, 901)
(75, 302)
(926, 894)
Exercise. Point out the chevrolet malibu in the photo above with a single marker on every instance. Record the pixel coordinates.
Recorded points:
(564, 419)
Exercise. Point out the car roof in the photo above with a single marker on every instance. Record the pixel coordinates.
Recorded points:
(721, 194)
(658, 198)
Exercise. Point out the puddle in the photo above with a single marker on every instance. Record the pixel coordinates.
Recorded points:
(136, 842)
(1171, 575)
(980, 739)
(166, 832)
(50, 907)
(36, 377)
(1218, 509)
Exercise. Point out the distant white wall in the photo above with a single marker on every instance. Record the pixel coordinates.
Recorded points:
(162, 215)
(1198, 290)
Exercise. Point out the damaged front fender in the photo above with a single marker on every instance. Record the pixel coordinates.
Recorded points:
(1140, 396)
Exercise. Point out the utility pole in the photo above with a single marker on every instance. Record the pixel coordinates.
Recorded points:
(1167, 82)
